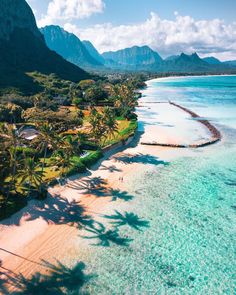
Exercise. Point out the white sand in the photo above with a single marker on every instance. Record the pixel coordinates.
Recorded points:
(50, 234)
(164, 123)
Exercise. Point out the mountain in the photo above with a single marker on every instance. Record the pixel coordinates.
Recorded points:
(230, 63)
(191, 64)
(93, 52)
(23, 49)
(69, 47)
(145, 59)
(212, 60)
(133, 58)
(186, 63)
(172, 57)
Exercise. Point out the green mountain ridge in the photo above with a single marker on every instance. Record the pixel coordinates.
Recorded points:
(93, 51)
(145, 59)
(23, 50)
(212, 60)
(69, 47)
(135, 57)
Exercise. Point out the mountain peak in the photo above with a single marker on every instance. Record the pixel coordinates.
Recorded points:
(136, 56)
(195, 55)
(23, 50)
(212, 60)
(93, 51)
(16, 14)
(69, 46)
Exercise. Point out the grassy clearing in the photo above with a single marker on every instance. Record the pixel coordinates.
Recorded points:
(125, 130)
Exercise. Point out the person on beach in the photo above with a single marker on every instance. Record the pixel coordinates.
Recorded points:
(121, 178)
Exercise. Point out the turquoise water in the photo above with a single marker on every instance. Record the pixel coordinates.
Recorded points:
(212, 96)
(187, 243)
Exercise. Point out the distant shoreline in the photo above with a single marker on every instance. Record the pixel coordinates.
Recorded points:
(189, 76)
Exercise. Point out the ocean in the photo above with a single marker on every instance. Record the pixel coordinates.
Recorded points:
(186, 241)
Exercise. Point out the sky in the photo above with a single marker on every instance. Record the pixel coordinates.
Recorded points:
(170, 27)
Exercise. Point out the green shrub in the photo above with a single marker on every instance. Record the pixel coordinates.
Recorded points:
(88, 145)
(77, 101)
(92, 158)
(78, 167)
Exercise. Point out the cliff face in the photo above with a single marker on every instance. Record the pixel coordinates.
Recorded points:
(134, 56)
(23, 50)
(68, 46)
(16, 14)
(93, 51)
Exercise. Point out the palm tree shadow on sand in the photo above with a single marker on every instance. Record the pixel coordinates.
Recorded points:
(106, 237)
(126, 158)
(98, 187)
(59, 280)
(127, 218)
(111, 168)
(56, 210)
(91, 186)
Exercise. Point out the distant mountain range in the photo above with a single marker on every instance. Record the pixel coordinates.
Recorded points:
(23, 50)
(188, 63)
(212, 60)
(145, 59)
(230, 63)
(134, 58)
(93, 52)
(71, 48)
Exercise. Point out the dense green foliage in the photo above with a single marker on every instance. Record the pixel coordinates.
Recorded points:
(54, 117)
(92, 158)
(41, 140)
(31, 55)
(10, 113)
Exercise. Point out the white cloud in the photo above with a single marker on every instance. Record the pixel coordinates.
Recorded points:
(63, 10)
(183, 34)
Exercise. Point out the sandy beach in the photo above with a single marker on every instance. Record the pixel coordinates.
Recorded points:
(51, 229)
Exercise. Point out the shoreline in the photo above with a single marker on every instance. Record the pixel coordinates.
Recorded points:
(47, 230)
(189, 76)
(215, 133)
(44, 231)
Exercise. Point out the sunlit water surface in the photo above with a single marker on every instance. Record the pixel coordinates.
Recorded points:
(190, 204)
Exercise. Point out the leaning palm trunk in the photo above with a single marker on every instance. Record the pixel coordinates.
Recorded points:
(44, 157)
(13, 176)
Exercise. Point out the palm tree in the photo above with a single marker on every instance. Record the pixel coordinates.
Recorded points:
(48, 137)
(110, 123)
(97, 126)
(8, 133)
(70, 145)
(4, 172)
(31, 174)
(124, 98)
(62, 160)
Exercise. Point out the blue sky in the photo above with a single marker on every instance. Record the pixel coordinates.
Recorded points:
(169, 26)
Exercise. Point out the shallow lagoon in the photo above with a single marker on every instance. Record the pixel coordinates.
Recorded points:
(186, 244)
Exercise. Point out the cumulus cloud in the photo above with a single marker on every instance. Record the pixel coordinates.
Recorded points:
(183, 34)
(63, 10)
